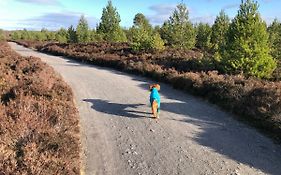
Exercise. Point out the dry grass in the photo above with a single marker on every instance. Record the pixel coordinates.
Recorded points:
(39, 124)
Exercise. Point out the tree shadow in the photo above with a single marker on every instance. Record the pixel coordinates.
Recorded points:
(72, 62)
(220, 130)
(116, 109)
(228, 137)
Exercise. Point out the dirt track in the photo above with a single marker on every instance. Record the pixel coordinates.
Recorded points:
(191, 137)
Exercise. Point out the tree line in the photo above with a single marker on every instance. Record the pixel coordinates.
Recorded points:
(2, 35)
(242, 45)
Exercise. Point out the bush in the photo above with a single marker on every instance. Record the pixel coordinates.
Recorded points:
(39, 123)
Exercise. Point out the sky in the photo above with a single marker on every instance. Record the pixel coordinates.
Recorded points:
(54, 14)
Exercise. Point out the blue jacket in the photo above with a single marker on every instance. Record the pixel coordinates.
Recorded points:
(154, 95)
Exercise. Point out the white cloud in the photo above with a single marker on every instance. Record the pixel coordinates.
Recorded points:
(204, 19)
(41, 2)
(161, 13)
(53, 21)
(231, 6)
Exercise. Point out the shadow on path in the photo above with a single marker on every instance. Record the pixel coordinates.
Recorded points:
(221, 132)
(116, 109)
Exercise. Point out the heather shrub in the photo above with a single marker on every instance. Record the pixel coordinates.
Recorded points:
(39, 124)
(254, 100)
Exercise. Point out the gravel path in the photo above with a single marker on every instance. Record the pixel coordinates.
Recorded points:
(191, 137)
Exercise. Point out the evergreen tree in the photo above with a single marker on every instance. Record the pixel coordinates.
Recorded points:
(39, 36)
(16, 35)
(129, 34)
(178, 30)
(143, 37)
(247, 49)
(274, 31)
(140, 21)
(82, 30)
(62, 35)
(43, 34)
(109, 26)
(93, 35)
(157, 29)
(157, 43)
(218, 36)
(203, 36)
(2, 36)
(25, 35)
(71, 35)
(50, 35)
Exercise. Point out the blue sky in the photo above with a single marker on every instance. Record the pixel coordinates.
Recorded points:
(54, 14)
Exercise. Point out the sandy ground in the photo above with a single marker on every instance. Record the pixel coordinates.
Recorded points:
(192, 137)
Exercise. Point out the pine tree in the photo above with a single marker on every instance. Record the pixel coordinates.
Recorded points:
(39, 36)
(274, 31)
(218, 36)
(16, 35)
(71, 35)
(143, 37)
(109, 26)
(43, 34)
(247, 49)
(25, 35)
(61, 35)
(50, 35)
(178, 30)
(82, 30)
(2, 36)
(140, 21)
(203, 36)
